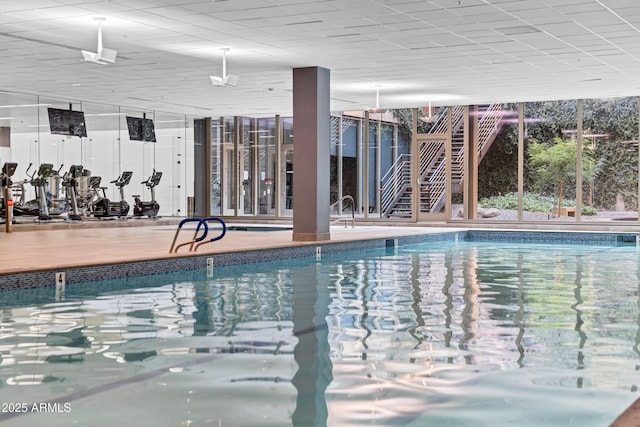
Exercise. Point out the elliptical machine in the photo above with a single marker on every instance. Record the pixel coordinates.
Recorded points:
(103, 207)
(27, 207)
(151, 208)
(70, 183)
(44, 205)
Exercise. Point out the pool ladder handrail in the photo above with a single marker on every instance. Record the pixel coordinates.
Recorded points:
(199, 239)
(353, 210)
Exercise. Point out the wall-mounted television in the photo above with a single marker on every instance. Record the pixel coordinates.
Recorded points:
(67, 122)
(141, 129)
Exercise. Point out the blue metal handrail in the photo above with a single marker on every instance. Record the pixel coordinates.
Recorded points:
(198, 236)
(213, 239)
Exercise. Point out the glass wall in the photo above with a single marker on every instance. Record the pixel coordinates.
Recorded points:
(434, 152)
(217, 129)
(265, 142)
(610, 160)
(373, 163)
(246, 156)
(286, 173)
(556, 161)
(174, 135)
(497, 157)
(580, 159)
(58, 137)
(229, 167)
(580, 163)
(550, 156)
(264, 162)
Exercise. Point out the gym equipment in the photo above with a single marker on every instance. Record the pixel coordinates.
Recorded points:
(8, 169)
(21, 206)
(87, 191)
(103, 207)
(46, 203)
(152, 207)
(70, 184)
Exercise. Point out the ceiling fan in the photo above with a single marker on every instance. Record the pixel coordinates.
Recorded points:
(226, 79)
(103, 55)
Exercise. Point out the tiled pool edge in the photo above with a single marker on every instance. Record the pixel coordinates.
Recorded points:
(570, 237)
(34, 279)
(41, 278)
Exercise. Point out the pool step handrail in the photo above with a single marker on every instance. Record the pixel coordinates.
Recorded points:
(198, 235)
(213, 239)
(340, 218)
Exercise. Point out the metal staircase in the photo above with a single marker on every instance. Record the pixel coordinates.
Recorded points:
(396, 186)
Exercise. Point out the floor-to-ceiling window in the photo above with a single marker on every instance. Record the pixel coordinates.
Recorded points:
(431, 161)
(216, 165)
(349, 171)
(538, 161)
(610, 160)
(286, 172)
(497, 158)
(265, 141)
(229, 166)
(550, 151)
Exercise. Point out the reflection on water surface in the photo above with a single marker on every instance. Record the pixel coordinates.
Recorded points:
(449, 334)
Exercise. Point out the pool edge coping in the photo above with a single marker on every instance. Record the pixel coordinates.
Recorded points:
(183, 262)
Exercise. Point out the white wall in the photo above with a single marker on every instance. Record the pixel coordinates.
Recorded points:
(109, 152)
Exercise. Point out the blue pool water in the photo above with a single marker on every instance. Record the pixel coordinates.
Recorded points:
(447, 334)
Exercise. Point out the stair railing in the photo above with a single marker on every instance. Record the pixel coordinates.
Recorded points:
(394, 183)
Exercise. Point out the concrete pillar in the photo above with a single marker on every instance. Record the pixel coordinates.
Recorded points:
(471, 153)
(311, 152)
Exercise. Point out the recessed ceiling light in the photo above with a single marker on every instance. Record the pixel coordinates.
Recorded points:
(24, 105)
(520, 29)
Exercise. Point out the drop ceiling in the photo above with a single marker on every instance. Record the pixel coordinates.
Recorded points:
(412, 52)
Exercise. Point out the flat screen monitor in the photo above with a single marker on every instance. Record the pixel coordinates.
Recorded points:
(141, 129)
(67, 122)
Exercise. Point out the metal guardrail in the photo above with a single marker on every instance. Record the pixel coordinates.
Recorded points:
(393, 183)
(198, 236)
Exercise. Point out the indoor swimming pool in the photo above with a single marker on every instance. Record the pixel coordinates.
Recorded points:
(444, 334)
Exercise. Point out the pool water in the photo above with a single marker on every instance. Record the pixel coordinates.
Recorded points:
(447, 334)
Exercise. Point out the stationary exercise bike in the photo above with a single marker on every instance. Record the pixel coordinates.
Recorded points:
(151, 208)
(103, 207)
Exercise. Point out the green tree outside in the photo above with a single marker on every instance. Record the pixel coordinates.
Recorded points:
(554, 165)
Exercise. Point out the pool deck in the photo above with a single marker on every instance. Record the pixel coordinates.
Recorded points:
(58, 246)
